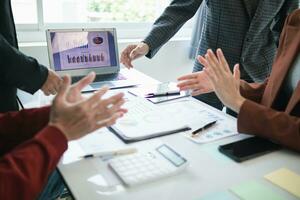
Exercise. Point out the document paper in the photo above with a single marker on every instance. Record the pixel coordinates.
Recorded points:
(144, 118)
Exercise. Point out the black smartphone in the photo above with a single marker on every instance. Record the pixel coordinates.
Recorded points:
(248, 148)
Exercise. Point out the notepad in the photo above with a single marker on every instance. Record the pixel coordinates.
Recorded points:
(254, 190)
(286, 179)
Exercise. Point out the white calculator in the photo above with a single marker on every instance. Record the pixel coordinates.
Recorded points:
(139, 168)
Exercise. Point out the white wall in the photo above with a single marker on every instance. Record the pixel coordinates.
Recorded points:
(170, 62)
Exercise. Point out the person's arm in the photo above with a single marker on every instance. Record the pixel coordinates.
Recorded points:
(19, 70)
(253, 91)
(268, 123)
(171, 20)
(25, 170)
(286, 9)
(16, 127)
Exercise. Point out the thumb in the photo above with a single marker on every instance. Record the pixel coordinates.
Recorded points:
(85, 81)
(66, 81)
(236, 72)
(136, 52)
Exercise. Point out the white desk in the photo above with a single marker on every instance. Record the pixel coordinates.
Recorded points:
(209, 170)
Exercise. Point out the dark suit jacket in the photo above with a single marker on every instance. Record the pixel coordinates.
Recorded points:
(16, 69)
(257, 115)
(226, 24)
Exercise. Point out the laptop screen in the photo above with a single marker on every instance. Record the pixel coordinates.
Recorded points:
(82, 49)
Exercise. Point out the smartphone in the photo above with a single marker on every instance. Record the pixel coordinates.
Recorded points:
(248, 148)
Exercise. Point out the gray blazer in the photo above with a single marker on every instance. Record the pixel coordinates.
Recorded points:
(227, 24)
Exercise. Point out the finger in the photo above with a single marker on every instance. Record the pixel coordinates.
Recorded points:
(188, 76)
(187, 83)
(52, 91)
(191, 87)
(236, 72)
(136, 52)
(117, 106)
(107, 113)
(85, 81)
(199, 92)
(46, 92)
(203, 61)
(63, 88)
(57, 84)
(223, 60)
(125, 59)
(211, 75)
(213, 58)
(95, 98)
(211, 67)
(109, 122)
(112, 100)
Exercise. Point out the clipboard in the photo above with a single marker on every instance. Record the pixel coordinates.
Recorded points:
(128, 140)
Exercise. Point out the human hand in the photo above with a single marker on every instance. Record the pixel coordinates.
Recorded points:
(52, 84)
(74, 94)
(132, 52)
(225, 84)
(197, 82)
(79, 116)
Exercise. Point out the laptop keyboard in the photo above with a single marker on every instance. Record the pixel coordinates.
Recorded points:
(101, 78)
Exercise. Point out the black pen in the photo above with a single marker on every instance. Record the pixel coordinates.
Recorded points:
(206, 126)
(171, 93)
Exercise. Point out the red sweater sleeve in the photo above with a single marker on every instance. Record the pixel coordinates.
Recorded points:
(259, 120)
(24, 170)
(17, 127)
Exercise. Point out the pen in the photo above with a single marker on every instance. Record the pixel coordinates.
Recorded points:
(111, 88)
(151, 95)
(206, 126)
(115, 152)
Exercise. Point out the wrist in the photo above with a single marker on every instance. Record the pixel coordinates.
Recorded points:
(238, 104)
(146, 46)
(61, 128)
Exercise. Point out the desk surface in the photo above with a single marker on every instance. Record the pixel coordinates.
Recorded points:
(209, 171)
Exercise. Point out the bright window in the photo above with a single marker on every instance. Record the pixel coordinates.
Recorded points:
(132, 18)
(25, 11)
(83, 11)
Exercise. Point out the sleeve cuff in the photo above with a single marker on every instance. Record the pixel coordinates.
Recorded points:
(248, 112)
(56, 141)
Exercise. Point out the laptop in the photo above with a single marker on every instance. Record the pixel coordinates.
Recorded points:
(78, 52)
